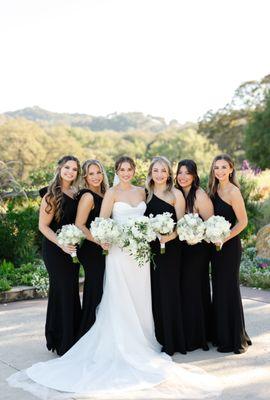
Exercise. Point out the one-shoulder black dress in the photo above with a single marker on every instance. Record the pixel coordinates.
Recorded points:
(165, 286)
(93, 262)
(229, 332)
(196, 295)
(64, 308)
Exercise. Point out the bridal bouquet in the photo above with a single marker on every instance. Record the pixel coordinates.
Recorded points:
(137, 233)
(162, 224)
(70, 234)
(105, 230)
(217, 229)
(191, 228)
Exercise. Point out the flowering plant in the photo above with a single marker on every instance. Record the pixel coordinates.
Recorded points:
(137, 233)
(217, 229)
(191, 228)
(105, 230)
(70, 234)
(162, 224)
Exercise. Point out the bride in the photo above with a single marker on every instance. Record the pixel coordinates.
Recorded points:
(119, 356)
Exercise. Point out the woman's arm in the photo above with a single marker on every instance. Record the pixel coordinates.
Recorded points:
(107, 204)
(85, 206)
(45, 219)
(204, 205)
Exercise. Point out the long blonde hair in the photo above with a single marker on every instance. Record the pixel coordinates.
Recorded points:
(54, 194)
(213, 181)
(149, 184)
(85, 167)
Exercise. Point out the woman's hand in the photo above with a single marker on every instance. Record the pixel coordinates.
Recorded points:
(69, 249)
(167, 238)
(105, 246)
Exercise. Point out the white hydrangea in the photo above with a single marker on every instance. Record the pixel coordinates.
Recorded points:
(217, 229)
(163, 224)
(191, 228)
(70, 235)
(105, 230)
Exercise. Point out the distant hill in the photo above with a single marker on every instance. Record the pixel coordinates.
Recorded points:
(121, 122)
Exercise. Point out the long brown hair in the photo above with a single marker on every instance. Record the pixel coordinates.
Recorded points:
(85, 167)
(122, 160)
(54, 194)
(213, 181)
(149, 180)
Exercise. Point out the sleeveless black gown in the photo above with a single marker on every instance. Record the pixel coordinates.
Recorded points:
(93, 262)
(165, 278)
(64, 308)
(196, 295)
(229, 332)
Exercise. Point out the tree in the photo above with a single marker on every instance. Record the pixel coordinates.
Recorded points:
(257, 140)
(226, 126)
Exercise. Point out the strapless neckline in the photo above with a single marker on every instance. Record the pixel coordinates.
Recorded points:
(124, 202)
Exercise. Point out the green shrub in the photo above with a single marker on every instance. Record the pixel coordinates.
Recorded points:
(4, 285)
(254, 271)
(30, 274)
(19, 232)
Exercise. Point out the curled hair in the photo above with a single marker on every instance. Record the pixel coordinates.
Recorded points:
(213, 181)
(85, 167)
(54, 194)
(149, 180)
(123, 159)
(192, 169)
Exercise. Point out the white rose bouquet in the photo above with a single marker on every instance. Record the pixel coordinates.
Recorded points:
(70, 234)
(162, 224)
(191, 228)
(137, 233)
(217, 228)
(105, 230)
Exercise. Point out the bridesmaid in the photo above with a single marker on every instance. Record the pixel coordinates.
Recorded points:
(165, 271)
(58, 208)
(229, 325)
(195, 284)
(90, 254)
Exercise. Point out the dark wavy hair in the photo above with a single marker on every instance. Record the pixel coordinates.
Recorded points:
(54, 194)
(191, 166)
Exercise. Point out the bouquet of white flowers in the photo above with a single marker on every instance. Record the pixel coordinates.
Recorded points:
(217, 229)
(70, 234)
(137, 233)
(191, 228)
(105, 230)
(162, 224)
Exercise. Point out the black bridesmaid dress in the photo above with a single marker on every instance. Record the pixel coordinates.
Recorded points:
(229, 334)
(196, 295)
(93, 262)
(64, 308)
(165, 277)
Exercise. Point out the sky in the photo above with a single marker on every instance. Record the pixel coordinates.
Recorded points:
(170, 58)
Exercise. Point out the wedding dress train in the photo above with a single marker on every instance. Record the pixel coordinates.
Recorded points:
(119, 357)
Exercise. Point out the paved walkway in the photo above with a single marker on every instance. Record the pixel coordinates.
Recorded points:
(244, 377)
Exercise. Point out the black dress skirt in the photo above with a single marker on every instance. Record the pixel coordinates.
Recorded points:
(64, 309)
(196, 296)
(165, 278)
(229, 332)
(93, 262)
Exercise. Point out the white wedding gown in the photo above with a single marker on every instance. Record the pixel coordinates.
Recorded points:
(119, 358)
